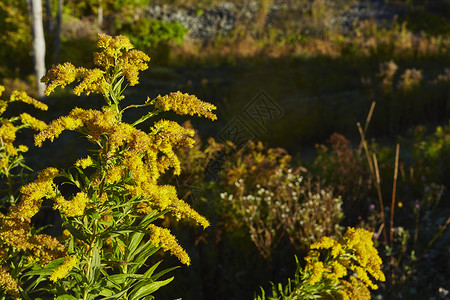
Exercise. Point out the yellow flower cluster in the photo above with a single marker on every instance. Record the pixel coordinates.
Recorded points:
(60, 75)
(161, 237)
(34, 193)
(116, 51)
(23, 97)
(74, 207)
(355, 290)
(317, 271)
(115, 56)
(7, 137)
(95, 121)
(8, 283)
(184, 104)
(93, 81)
(8, 130)
(14, 232)
(45, 249)
(84, 162)
(69, 263)
(141, 157)
(355, 253)
(366, 259)
(114, 175)
(34, 123)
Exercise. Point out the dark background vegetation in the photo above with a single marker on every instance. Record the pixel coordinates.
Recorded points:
(322, 64)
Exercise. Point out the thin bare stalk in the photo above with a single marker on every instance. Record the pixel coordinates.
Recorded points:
(440, 232)
(394, 189)
(366, 149)
(369, 116)
(366, 125)
(380, 197)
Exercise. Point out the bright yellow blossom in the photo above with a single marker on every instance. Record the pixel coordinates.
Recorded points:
(32, 121)
(69, 263)
(23, 97)
(161, 237)
(317, 272)
(184, 104)
(7, 137)
(114, 174)
(132, 62)
(34, 193)
(8, 283)
(74, 207)
(84, 162)
(93, 82)
(355, 253)
(60, 75)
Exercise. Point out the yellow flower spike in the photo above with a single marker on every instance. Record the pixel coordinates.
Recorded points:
(324, 243)
(60, 75)
(69, 263)
(23, 97)
(74, 207)
(317, 272)
(8, 132)
(132, 62)
(117, 52)
(8, 283)
(184, 104)
(22, 148)
(84, 162)
(55, 128)
(93, 82)
(183, 209)
(3, 106)
(14, 232)
(161, 237)
(2, 89)
(46, 248)
(34, 193)
(364, 260)
(114, 174)
(34, 123)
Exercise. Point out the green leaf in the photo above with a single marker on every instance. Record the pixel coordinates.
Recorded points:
(121, 278)
(163, 272)
(94, 270)
(66, 297)
(135, 241)
(118, 86)
(145, 288)
(149, 250)
(48, 269)
(149, 272)
(116, 296)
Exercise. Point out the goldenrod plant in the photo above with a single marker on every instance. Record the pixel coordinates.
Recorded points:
(343, 269)
(17, 237)
(109, 228)
(11, 156)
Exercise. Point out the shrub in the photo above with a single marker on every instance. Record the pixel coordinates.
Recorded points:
(109, 217)
(343, 269)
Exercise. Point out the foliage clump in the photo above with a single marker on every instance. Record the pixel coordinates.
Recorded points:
(108, 221)
(335, 269)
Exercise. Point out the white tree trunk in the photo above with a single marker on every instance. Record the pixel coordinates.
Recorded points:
(100, 13)
(38, 44)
